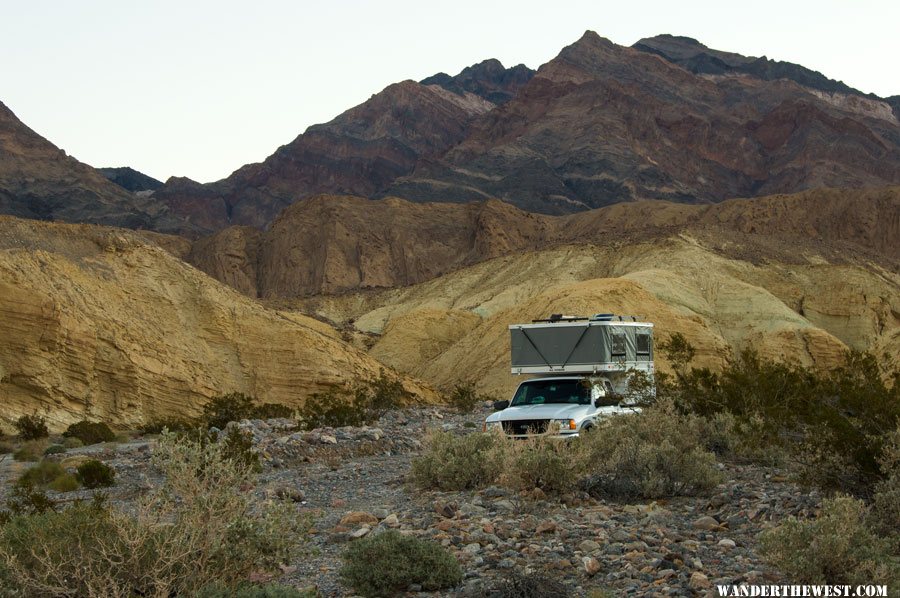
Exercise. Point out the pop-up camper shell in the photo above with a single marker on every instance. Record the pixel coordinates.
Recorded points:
(603, 343)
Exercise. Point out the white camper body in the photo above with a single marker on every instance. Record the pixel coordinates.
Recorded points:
(581, 369)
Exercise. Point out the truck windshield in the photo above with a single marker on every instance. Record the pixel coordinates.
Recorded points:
(540, 392)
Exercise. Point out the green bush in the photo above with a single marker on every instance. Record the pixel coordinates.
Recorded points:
(270, 590)
(90, 432)
(28, 452)
(72, 443)
(654, 454)
(886, 503)
(64, 483)
(54, 449)
(834, 423)
(330, 410)
(386, 564)
(541, 462)
(365, 405)
(235, 407)
(465, 397)
(835, 548)
(214, 532)
(31, 427)
(172, 424)
(232, 407)
(40, 475)
(95, 474)
(452, 462)
(26, 500)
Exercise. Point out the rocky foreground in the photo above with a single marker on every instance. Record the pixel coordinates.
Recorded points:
(353, 481)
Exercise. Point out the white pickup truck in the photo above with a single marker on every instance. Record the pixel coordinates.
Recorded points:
(584, 367)
(569, 404)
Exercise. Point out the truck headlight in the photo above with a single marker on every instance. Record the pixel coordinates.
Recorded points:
(489, 426)
(566, 424)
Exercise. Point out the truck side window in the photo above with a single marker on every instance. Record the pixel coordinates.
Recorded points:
(618, 345)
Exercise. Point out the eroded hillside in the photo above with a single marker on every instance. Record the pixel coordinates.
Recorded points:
(100, 323)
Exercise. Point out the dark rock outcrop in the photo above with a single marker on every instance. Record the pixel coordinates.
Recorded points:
(130, 179)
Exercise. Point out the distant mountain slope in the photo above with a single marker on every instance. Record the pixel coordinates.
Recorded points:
(602, 124)
(336, 244)
(699, 59)
(130, 179)
(38, 180)
(360, 152)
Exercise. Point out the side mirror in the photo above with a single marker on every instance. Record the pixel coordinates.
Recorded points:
(500, 405)
(607, 401)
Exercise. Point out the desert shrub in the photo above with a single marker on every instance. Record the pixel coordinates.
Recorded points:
(517, 585)
(54, 449)
(26, 500)
(366, 404)
(64, 483)
(540, 462)
(95, 474)
(71, 443)
(328, 409)
(200, 527)
(886, 502)
(741, 440)
(31, 427)
(6, 447)
(29, 451)
(172, 424)
(40, 475)
(386, 564)
(451, 462)
(378, 396)
(654, 454)
(269, 590)
(90, 432)
(232, 407)
(272, 411)
(237, 446)
(465, 397)
(835, 548)
(834, 423)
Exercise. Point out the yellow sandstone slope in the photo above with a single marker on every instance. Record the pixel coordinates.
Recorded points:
(99, 323)
(454, 328)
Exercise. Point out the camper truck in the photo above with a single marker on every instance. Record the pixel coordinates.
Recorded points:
(580, 368)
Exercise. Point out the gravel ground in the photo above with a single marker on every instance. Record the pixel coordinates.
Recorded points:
(353, 482)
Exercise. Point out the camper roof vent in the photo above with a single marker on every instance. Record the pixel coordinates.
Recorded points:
(602, 317)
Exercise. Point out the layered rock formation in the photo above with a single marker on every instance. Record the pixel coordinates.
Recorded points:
(334, 244)
(602, 123)
(100, 323)
(38, 180)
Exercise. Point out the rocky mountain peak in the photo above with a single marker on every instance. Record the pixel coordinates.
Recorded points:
(488, 79)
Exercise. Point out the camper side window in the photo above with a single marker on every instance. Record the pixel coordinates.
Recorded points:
(618, 345)
(643, 344)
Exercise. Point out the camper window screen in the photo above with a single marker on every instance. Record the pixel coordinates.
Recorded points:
(643, 344)
(618, 345)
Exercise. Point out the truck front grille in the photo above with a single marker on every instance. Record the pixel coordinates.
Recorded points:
(526, 426)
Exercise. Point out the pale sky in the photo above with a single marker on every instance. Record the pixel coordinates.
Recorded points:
(199, 88)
